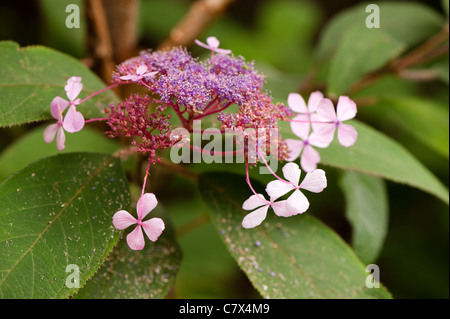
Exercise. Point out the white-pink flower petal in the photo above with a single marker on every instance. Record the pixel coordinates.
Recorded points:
(74, 120)
(347, 135)
(314, 181)
(153, 228)
(135, 239)
(295, 148)
(297, 203)
(50, 132)
(146, 204)
(57, 106)
(310, 158)
(296, 103)
(278, 188)
(314, 100)
(123, 219)
(73, 87)
(292, 173)
(60, 139)
(255, 218)
(280, 208)
(254, 201)
(346, 108)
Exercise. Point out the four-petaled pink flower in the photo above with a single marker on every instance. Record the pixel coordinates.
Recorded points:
(141, 72)
(152, 227)
(306, 117)
(346, 110)
(260, 206)
(58, 106)
(212, 44)
(297, 203)
(74, 120)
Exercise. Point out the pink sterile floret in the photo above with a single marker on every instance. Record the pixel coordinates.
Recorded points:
(297, 203)
(153, 227)
(212, 44)
(141, 72)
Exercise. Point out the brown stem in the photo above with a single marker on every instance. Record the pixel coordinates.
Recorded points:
(98, 39)
(200, 15)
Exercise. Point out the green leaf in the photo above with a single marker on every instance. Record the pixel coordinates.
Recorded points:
(376, 154)
(355, 58)
(407, 22)
(295, 257)
(54, 213)
(445, 6)
(31, 77)
(359, 49)
(424, 119)
(144, 274)
(367, 209)
(32, 147)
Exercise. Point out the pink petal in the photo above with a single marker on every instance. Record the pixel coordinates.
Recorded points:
(146, 204)
(346, 108)
(292, 172)
(326, 133)
(50, 132)
(123, 219)
(254, 201)
(150, 74)
(280, 208)
(60, 139)
(73, 87)
(295, 148)
(297, 103)
(314, 100)
(141, 69)
(297, 203)
(309, 159)
(153, 228)
(278, 188)
(58, 106)
(314, 181)
(135, 239)
(318, 140)
(300, 126)
(255, 218)
(131, 77)
(74, 120)
(347, 135)
(213, 42)
(325, 111)
(199, 43)
(222, 51)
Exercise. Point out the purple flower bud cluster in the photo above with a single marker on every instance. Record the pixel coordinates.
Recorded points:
(141, 119)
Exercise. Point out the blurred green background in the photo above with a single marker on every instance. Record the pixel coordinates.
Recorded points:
(281, 37)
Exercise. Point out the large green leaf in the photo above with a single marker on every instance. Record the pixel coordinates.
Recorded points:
(425, 120)
(31, 77)
(359, 49)
(295, 257)
(367, 210)
(55, 213)
(32, 147)
(407, 22)
(144, 274)
(356, 57)
(376, 154)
